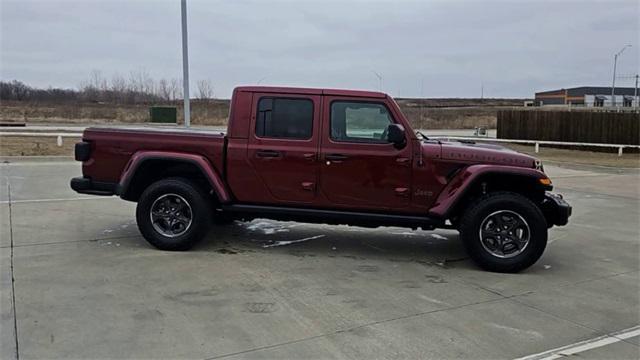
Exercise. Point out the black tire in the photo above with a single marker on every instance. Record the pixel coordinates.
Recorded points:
(198, 207)
(503, 203)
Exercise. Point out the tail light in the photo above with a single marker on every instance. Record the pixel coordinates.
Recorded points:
(83, 151)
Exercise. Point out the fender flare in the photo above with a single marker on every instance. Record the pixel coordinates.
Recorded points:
(464, 180)
(199, 161)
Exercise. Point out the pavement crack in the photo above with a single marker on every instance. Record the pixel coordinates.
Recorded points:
(72, 241)
(13, 279)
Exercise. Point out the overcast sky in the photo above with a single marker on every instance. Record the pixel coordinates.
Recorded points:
(512, 47)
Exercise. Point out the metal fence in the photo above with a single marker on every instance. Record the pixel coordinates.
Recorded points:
(570, 126)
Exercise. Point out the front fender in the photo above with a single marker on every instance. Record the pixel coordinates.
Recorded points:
(455, 190)
(200, 161)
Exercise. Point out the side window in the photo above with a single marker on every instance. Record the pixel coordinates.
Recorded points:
(284, 118)
(359, 121)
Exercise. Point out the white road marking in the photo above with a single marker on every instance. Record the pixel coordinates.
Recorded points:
(54, 200)
(585, 345)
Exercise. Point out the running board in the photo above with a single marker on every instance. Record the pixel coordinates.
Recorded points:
(334, 217)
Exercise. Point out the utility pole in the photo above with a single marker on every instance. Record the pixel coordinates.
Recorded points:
(635, 93)
(185, 64)
(613, 85)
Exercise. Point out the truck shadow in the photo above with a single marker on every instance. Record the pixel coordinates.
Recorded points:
(438, 248)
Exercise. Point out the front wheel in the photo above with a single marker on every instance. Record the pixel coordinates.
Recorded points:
(173, 214)
(504, 232)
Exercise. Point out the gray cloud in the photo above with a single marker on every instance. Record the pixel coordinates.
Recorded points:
(513, 47)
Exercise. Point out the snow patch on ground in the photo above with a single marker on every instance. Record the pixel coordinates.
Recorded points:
(438, 236)
(289, 242)
(268, 227)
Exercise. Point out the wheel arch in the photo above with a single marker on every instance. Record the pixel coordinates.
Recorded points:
(145, 168)
(477, 180)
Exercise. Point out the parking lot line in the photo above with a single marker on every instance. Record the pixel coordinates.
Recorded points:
(583, 346)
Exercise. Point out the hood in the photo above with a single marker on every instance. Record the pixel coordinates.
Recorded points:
(473, 153)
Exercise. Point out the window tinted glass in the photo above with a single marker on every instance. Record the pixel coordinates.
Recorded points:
(285, 118)
(359, 121)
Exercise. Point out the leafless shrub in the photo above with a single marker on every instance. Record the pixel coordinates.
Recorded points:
(139, 87)
(205, 90)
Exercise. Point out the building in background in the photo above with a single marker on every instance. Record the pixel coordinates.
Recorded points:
(589, 96)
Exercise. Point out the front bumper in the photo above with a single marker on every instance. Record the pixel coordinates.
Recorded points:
(556, 210)
(85, 185)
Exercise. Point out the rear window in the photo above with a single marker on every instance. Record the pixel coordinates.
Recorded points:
(284, 118)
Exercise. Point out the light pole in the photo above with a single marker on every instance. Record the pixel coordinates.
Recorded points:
(613, 85)
(635, 93)
(185, 65)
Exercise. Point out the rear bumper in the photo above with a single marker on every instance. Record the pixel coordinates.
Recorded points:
(84, 185)
(556, 210)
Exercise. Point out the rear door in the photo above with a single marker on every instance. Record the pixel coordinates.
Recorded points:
(283, 145)
(360, 168)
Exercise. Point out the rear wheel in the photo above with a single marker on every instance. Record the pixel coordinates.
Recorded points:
(504, 232)
(173, 214)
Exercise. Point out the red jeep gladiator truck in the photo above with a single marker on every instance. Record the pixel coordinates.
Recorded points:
(323, 156)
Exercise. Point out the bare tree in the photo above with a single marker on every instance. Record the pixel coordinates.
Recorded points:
(163, 89)
(142, 86)
(92, 88)
(205, 89)
(174, 86)
(119, 88)
(96, 80)
(15, 90)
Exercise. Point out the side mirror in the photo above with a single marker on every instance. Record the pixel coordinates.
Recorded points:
(396, 135)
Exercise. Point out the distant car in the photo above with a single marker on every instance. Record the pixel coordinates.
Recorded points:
(323, 156)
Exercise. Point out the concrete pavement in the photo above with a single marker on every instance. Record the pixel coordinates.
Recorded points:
(87, 285)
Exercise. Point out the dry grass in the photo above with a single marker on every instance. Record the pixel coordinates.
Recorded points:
(35, 146)
(570, 156)
(202, 113)
(422, 113)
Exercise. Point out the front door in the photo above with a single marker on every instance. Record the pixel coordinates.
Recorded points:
(360, 168)
(283, 146)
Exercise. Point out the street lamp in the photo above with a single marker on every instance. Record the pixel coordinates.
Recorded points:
(613, 85)
(185, 64)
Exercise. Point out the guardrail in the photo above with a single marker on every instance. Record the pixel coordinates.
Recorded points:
(537, 143)
(39, 134)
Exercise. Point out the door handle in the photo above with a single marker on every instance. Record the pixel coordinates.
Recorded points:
(309, 156)
(336, 157)
(402, 161)
(268, 153)
(309, 186)
(402, 191)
